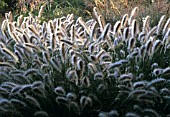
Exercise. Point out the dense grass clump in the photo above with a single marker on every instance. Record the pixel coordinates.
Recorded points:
(66, 67)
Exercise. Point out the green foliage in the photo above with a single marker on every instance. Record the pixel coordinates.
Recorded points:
(2, 4)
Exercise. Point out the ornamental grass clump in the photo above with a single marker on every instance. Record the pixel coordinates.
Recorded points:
(67, 67)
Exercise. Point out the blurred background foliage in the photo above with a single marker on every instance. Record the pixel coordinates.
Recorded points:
(2, 4)
(112, 10)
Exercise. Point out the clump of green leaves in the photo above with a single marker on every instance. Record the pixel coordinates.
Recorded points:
(2, 4)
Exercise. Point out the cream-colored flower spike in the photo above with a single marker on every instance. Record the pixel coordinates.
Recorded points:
(19, 20)
(134, 28)
(105, 32)
(92, 33)
(132, 15)
(33, 30)
(146, 24)
(166, 26)
(9, 16)
(117, 28)
(11, 54)
(41, 10)
(4, 25)
(161, 24)
(84, 25)
(124, 21)
(99, 18)
(151, 32)
(156, 45)
(6, 65)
